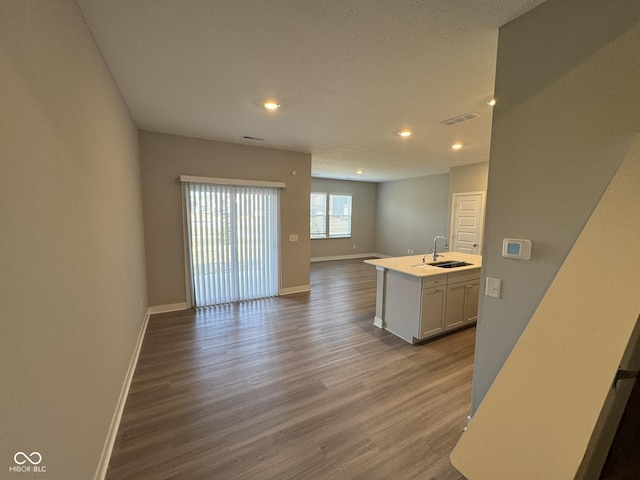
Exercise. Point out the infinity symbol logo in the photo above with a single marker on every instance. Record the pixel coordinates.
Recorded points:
(28, 458)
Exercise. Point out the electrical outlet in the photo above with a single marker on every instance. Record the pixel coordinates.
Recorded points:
(354, 247)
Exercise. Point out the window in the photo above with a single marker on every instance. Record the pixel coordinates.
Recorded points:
(330, 215)
(318, 215)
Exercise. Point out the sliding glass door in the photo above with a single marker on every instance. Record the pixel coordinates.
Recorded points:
(233, 242)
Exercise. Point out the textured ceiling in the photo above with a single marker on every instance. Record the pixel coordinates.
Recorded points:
(349, 75)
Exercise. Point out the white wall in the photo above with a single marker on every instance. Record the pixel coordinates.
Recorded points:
(468, 178)
(410, 213)
(165, 157)
(552, 410)
(363, 223)
(72, 277)
(567, 90)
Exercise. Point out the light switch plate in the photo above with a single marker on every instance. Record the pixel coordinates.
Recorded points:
(293, 237)
(492, 287)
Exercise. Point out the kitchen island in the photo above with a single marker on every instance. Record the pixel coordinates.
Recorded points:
(417, 301)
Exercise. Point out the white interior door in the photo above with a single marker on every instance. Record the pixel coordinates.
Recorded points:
(467, 222)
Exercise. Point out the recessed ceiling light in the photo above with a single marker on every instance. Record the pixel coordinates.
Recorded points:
(271, 105)
(405, 133)
(491, 102)
(456, 146)
(359, 171)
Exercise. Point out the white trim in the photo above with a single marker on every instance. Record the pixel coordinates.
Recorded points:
(231, 181)
(172, 307)
(467, 423)
(103, 465)
(186, 250)
(298, 289)
(377, 322)
(452, 212)
(344, 257)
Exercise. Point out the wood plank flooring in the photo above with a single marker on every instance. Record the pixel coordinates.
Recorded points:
(294, 387)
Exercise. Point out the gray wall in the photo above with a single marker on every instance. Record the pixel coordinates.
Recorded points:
(567, 90)
(410, 213)
(72, 277)
(468, 178)
(165, 157)
(363, 226)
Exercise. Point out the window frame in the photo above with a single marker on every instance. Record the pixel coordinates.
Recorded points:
(328, 216)
(320, 215)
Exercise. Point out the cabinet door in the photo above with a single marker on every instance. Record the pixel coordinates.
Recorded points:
(432, 310)
(454, 309)
(471, 301)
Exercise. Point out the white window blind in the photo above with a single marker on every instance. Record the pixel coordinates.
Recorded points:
(233, 242)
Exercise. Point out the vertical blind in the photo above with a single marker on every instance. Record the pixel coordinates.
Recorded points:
(233, 242)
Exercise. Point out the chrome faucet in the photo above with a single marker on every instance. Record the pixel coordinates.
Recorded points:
(435, 246)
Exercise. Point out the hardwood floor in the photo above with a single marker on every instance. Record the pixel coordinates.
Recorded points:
(294, 387)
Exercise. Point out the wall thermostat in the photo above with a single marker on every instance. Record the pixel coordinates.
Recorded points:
(516, 248)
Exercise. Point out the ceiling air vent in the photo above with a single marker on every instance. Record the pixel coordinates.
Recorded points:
(460, 119)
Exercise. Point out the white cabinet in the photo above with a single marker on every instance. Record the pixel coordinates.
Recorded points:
(471, 299)
(419, 308)
(431, 311)
(461, 306)
(454, 313)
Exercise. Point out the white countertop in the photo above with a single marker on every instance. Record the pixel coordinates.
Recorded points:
(412, 264)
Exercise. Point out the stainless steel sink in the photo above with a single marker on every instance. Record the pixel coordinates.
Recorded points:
(450, 264)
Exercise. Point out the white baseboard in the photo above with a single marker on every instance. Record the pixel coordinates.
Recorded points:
(122, 400)
(344, 257)
(378, 322)
(291, 290)
(172, 307)
(468, 422)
